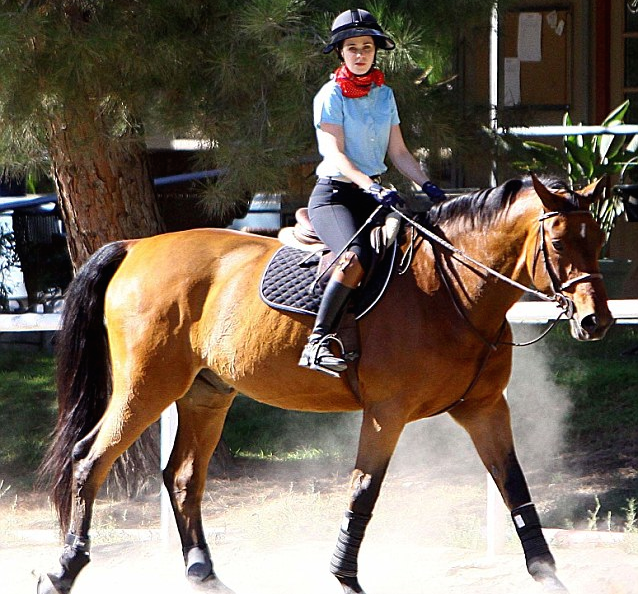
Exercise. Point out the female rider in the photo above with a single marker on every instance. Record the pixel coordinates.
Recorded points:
(357, 125)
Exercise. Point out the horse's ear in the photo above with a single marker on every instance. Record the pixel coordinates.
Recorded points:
(551, 201)
(593, 192)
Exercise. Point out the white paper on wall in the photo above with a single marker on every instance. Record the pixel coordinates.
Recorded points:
(560, 27)
(529, 36)
(512, 82)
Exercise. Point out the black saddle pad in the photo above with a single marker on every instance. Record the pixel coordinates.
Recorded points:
(287, 283)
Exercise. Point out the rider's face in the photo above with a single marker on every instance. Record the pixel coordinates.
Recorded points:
(358, 54)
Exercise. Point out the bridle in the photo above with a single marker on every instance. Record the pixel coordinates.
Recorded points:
(558, 297)
(557, 286)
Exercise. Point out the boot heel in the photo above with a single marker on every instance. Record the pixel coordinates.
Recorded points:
(317, 350)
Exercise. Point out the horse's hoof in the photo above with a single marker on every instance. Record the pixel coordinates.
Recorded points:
(350, 585)
(210, 584)
(200, 572)
(46, 586)
(552, 584)
(544, 573)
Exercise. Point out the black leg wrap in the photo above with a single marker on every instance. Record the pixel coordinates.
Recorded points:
(528, 528)
(199, 566)
(344, 558)
(76, 555)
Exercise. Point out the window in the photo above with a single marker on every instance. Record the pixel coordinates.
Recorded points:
(630, 81)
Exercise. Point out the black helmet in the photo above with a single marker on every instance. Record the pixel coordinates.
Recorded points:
(357, 22)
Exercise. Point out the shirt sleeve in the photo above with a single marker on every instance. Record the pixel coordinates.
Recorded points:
(328, 106)
(395, 111)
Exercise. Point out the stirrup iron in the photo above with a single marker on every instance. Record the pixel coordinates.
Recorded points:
(317, 349)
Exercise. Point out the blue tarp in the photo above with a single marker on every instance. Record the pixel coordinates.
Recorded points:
(17, 202)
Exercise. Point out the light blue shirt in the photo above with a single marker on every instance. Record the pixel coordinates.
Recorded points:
(366, 123)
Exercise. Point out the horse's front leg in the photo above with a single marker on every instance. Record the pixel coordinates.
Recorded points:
(380, 431)
(490, 430)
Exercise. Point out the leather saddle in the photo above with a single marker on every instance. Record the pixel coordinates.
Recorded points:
(295, 277)
(303, 235)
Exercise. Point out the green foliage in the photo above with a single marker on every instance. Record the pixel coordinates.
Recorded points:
(592, 515)
(256, 430)
(602, 380)
(631, 516)
(240, 75)
(594, 521)
(27, 410)
(584, 159)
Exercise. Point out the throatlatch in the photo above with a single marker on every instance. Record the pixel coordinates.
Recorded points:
(344, 559)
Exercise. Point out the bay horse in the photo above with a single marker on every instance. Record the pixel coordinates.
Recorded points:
(178, 318)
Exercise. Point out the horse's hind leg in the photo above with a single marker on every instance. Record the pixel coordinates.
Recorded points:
(201, 413)
(491, 432)
(93, 457)
(133, 407)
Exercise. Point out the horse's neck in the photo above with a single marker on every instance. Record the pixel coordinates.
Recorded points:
(501, 247)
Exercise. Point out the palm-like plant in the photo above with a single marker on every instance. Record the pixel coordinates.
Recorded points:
(586, 158)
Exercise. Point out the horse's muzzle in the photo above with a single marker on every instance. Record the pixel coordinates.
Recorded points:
(591, 326)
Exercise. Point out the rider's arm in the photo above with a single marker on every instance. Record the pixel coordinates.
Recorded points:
(403, 159)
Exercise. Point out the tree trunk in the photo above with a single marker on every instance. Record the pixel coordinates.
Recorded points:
(106, 193)
(104, 185)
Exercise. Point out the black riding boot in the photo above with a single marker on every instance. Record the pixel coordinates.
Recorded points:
(317, 354)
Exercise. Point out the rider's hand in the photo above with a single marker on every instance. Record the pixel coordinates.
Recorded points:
(432, 191)
(385, 196)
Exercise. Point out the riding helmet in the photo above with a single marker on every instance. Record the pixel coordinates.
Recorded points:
(357, 22)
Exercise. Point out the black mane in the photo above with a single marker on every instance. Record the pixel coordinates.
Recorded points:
(480, 208)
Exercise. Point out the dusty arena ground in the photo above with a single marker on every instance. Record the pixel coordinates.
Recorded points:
(273, 531)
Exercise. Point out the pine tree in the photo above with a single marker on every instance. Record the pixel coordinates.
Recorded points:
(85, 82)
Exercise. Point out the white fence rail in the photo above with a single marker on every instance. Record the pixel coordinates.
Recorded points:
(625, 311)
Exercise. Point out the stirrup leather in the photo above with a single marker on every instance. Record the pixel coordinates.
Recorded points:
(317, 356)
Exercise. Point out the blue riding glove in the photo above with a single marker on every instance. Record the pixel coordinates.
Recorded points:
(432, 191)
(385, 196)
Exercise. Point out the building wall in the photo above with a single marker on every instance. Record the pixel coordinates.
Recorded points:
(624, 241)
(594, 78)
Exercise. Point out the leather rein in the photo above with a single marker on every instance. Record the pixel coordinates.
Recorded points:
(563, 301)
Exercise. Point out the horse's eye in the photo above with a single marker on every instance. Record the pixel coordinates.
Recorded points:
(557, 244)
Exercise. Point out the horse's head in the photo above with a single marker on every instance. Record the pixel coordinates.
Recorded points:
(565, 257)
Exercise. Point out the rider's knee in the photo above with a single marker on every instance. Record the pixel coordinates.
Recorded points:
(349, 270)
(350, 266)
(349, 261)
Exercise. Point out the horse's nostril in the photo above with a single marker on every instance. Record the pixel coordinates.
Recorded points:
(589, 323)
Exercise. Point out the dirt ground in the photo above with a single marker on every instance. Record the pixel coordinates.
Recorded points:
(272, 532)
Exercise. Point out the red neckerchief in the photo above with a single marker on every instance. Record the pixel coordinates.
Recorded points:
(357, 86)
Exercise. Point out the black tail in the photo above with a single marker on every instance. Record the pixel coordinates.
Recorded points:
(83, 370)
